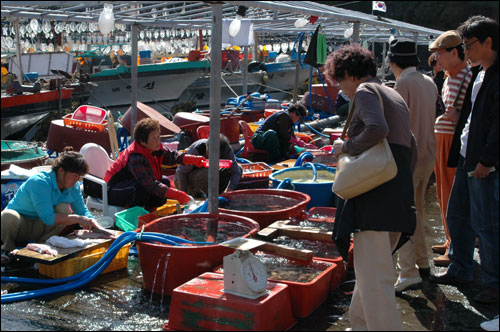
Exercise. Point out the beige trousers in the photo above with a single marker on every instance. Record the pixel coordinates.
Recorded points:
(413, 254)
(373, 304)
(18, 228)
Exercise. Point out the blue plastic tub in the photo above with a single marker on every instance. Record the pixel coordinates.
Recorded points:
(302, 180)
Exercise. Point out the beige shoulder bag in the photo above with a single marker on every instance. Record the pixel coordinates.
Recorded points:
(359, 174)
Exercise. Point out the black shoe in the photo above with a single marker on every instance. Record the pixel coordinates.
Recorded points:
(445, 278)
(487, 296)
(425, 272)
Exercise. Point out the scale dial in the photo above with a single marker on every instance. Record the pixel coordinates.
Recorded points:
(254, 274)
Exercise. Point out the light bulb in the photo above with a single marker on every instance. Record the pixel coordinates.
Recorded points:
(234, 27)
(301, 22)
(106, 19)
(348, 32)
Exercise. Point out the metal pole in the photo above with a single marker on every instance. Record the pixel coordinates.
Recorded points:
(384, 64)
(215, 96)
(245, 70)
(133, 80)
(355, 33)
(18, 53)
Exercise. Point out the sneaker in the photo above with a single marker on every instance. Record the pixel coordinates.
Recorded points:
(443, 260)
(491, 325)
(448, 279)
(407, 283)
(488, 295)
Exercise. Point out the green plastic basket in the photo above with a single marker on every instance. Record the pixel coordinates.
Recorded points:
(127, 221)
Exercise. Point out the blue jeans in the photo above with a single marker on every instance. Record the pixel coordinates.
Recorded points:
(473, 211)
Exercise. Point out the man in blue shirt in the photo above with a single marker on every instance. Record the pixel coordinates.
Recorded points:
(40, 208)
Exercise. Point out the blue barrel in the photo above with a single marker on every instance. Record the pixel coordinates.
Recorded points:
(315, 180)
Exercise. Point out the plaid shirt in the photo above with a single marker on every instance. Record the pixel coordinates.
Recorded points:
(141, 169)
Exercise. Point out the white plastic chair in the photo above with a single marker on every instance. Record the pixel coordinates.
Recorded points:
(99, 162)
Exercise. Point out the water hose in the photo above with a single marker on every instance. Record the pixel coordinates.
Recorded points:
(204, 207)
(92, 272)
(286, 184)
(300, 160)
(315, 173)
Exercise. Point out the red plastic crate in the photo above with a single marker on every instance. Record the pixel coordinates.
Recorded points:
(305, 296)
(201, 304)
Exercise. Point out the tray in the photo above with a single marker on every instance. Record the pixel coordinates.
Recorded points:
(256, 170)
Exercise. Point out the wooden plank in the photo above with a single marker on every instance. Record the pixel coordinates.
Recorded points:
(282, 250)
(284, 164)
(268, 233)
(113, 140)
(64, 253)
(306, 234)
(300, 232)
(271, 231)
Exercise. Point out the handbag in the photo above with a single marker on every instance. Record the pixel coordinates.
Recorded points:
(359, 174)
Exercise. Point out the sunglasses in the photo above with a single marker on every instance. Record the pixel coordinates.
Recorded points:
(468, 45)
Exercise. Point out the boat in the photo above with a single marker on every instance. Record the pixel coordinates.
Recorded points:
(275, 79)
(23, 154)
(22, 110)
(158, 82)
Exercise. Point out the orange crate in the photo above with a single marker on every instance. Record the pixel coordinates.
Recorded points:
(69, 121)
(85, 260)
(170, 207)
(256, 170)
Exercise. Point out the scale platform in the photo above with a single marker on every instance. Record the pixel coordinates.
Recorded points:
(201, 304)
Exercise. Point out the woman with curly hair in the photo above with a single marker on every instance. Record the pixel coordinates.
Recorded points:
(383, 218)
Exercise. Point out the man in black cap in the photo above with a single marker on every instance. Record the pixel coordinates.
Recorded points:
(420, 94)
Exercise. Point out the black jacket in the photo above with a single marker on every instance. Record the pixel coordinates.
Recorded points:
(482, 143)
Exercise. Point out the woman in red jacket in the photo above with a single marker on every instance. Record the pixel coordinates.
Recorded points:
(135, 178)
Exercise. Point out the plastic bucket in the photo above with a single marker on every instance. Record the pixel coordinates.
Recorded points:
(302, 178)
(293, 204)
(166, 267)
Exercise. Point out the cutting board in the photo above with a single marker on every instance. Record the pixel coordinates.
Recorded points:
(63, 253)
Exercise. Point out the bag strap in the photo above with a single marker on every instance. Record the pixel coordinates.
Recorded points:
(351, 109)
(460, 88)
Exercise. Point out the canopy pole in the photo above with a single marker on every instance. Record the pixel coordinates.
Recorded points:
(133, 80)
(18, 53)
(355, 33)
(215, 97)
(245, 70)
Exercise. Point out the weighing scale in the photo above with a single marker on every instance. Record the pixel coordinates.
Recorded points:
(244, 275)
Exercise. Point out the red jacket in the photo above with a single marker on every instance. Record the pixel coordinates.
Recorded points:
(122, 160)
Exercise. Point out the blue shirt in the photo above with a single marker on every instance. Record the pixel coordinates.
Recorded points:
(37, 197)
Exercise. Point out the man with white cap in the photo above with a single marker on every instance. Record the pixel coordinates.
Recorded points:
(420, 94)
(450, 55)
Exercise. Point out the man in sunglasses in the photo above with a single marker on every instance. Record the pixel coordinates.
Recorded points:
(473, 205)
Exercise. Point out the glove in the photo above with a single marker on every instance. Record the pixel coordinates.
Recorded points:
(178, 195)
(310, 146)
(190, 159)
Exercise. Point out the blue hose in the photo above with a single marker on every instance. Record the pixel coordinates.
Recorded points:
(315, 173)
(204, 207)
(92, 272)
(286, 184)
(300, 160)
